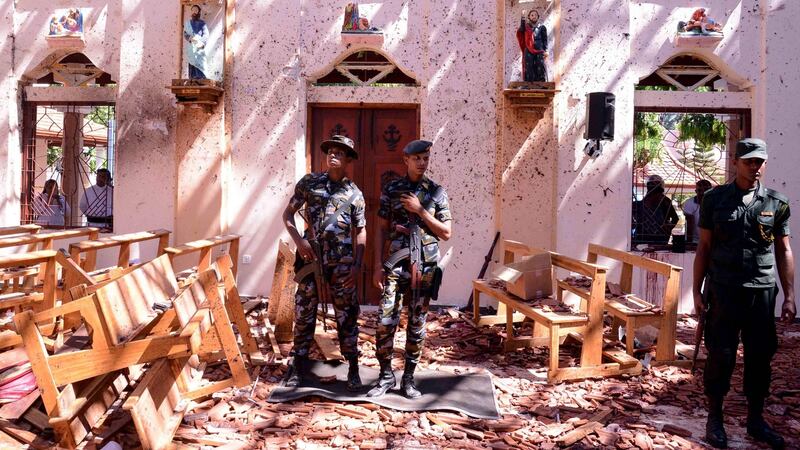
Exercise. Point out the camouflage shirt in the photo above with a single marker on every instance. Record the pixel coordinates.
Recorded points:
(392, 210)
(322, 197)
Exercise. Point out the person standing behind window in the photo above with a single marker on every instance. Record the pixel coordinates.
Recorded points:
(50, 207)
(691, 209)
(97, 202)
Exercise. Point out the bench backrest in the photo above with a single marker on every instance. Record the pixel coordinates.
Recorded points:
(122, 241)
(127, 302)
(20, 229)
(205, 247)
(629, 262)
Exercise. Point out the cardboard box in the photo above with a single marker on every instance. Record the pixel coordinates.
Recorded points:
(530, 277)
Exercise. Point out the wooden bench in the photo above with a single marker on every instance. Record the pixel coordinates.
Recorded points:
(41, 241)
(205, 248)
(551, 328)
(635, 312)
(122, 241)
(20, 229)
(127, 331)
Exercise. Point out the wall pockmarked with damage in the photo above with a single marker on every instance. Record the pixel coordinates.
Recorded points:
(9, 139)
(145, 179)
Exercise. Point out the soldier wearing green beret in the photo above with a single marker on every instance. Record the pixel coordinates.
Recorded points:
(414, 215)
(740, 222)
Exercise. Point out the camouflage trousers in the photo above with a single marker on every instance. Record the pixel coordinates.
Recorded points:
(396, 291)
(345, 306)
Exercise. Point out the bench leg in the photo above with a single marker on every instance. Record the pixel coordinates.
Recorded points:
(509, 344)
(476, 306)
(630, 334)
(554, 347)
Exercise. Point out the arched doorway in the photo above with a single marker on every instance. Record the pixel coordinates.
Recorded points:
(380, 132)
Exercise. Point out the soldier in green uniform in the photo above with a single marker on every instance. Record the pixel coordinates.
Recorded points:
(413, 202)
(739, 224)
(334, 207)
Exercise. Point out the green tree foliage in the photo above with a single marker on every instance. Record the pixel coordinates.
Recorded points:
(101, 115)
(706, 132)
(648, 134)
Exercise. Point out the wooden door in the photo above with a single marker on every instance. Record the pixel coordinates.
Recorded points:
(379, 135)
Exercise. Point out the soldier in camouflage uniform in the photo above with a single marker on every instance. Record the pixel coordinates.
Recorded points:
(740, 222)
(413, 199)
(334, 207)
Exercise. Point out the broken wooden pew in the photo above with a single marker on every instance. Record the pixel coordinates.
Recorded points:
(122, 242)
(40, 241)
(280, 309)
(160, 400)
(127, 331)
(635, 312)
(552, 328)
(204, 248)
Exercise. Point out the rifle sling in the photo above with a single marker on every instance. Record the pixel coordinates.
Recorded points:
(335, 216)
(308, 268)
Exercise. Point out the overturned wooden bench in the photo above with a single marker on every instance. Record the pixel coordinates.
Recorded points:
(128, 331)
(552, 328)
(634, 312)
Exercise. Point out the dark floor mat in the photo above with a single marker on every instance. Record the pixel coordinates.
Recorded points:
(471, 394)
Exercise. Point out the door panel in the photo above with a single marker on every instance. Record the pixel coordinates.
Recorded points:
(379, 135)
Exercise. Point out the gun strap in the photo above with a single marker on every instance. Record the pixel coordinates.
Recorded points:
(335, 216)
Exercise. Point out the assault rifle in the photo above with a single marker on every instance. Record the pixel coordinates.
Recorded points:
(701, 324)
(316, 268)
(414, 254)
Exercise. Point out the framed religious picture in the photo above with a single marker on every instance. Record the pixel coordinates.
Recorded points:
(202, 39)
(66, 22)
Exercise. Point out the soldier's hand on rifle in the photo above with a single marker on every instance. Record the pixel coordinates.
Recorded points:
(377, 278)
(411, 203)
(789, 310)
(305, 250)
(699, 306)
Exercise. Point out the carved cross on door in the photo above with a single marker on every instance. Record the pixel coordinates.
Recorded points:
(340, 130)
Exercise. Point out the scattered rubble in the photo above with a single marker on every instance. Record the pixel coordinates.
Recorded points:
(661, 409)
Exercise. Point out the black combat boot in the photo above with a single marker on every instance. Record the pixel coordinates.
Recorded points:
(353, 378)
(407, 386)
(386, 380)
(715, 431)
(758, 428)
(297, 369)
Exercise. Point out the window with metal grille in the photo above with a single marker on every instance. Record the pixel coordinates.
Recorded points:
(677, 156)
(67, 166)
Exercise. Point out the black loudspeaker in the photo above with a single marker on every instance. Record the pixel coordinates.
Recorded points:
(599, 116)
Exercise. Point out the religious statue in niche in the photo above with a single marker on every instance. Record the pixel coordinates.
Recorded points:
(66, 22)
(203, 40)
(195, 33)
(532, 38)
(354, 22)
(202, 47)
(700, 24)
